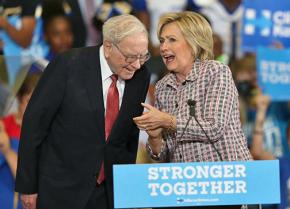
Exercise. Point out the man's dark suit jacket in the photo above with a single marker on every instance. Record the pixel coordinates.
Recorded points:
(62, 141)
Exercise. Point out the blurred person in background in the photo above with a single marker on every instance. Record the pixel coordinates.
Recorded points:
(22, 35)
(58, 35)
(196, 115)
(245, 76)
(10, 127)
(81, 14)
(110, 8)
(260, 152)
(218, 52)
(226, 20)
(277, 115)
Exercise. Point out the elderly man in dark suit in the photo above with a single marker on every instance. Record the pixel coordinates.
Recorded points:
(78, 122)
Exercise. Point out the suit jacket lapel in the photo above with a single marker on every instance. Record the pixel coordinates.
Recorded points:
(93, 82)
(128, 98)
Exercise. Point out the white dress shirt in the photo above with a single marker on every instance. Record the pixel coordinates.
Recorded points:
(106, 80)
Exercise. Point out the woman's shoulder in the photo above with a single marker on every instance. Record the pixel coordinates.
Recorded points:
(213, 66)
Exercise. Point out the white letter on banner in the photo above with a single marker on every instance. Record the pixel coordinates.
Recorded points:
(278, 17)
(202, 171)
(216, 187)
(153, 173)
(191, 188)
(264, 77)
(203, 185)
(264, 66)
(215, 171)
(164, 187)
(187, 170)
(176, 172)
(281, 18)
(240, 171)
(282, 67)
(153, 187)
(164, 171)
(274, 78)
(272, 66)
(229, 187)
(228, 171)
(241, 187)
(179, 188)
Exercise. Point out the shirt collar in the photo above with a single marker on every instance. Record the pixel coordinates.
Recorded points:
(105, 68)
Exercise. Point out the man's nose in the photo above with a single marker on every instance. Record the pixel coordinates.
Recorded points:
(136, 64)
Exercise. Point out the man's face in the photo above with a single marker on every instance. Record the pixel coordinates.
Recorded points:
(127, 56)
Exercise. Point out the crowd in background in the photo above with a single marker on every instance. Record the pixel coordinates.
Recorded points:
(73, 23)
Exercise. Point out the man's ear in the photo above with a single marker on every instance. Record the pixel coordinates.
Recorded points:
(107, 44)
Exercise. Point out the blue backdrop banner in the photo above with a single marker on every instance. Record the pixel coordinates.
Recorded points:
(274, 72)
(265, 23)
(196, 184)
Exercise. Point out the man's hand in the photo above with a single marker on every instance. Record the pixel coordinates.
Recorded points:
(28, 201)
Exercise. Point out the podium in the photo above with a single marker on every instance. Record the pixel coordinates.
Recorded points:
(196, 184)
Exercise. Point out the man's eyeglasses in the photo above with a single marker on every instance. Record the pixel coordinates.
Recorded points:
(132, 58)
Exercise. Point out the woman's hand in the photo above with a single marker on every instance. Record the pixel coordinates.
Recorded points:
(153, 120)
(155, 133)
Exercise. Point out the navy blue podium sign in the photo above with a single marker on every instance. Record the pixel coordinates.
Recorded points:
(196, 184)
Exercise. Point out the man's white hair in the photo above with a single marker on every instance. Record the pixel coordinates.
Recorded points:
(118, 27)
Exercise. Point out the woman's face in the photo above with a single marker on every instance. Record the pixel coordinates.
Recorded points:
(175, 51)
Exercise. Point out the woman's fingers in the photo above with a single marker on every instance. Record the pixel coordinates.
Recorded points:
(147, 106)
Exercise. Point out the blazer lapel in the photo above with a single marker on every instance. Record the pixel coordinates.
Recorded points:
(128, 98)
(93, 82)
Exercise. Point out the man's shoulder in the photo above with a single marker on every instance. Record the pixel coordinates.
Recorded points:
(84, 52)
(77, 56)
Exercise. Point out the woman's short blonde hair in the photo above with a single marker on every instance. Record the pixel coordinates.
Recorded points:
(195, 29)
(117, 28)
